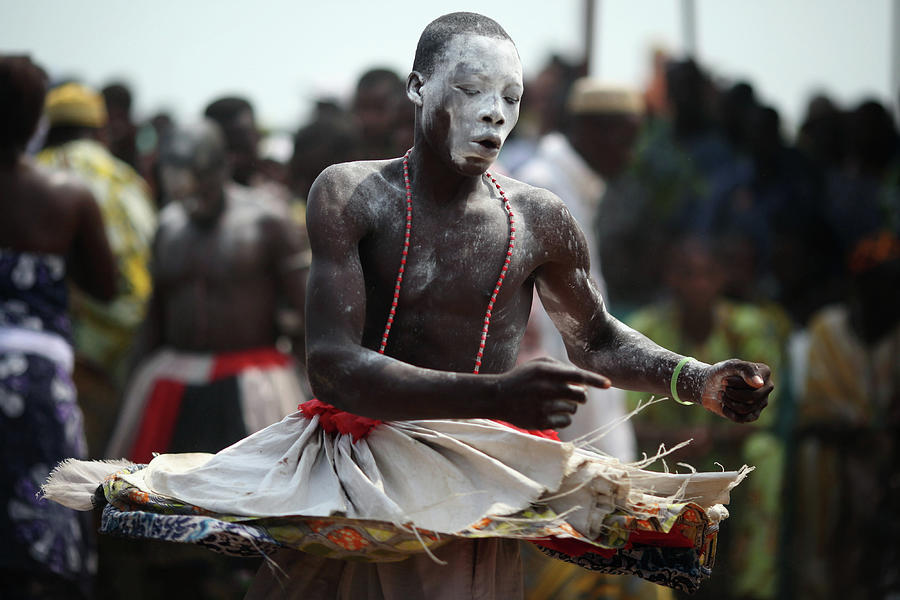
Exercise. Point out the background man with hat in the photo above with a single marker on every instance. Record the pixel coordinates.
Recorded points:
(575, 163)
(102, 332)
(594, 144)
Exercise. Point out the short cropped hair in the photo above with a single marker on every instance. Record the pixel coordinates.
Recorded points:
(224, 110)
(374, 77)
(438, 33)
(23, 87)
(117, 95)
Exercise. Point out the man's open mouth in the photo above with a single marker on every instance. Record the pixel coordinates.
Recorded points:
(491, 143)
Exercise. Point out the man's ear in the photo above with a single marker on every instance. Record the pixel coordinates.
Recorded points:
(414, 84)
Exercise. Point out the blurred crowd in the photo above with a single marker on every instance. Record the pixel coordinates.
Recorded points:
(717, 233)
(714, 231)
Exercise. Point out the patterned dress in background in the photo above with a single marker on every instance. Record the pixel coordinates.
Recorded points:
(846, 469)
(40, 424)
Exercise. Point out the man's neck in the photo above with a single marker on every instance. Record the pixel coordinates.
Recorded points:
(432, 179)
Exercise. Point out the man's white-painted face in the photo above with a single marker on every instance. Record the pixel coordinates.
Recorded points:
(471, 101)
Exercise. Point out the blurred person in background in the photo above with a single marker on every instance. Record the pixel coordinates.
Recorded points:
(847, 469)
(151, 134)
(681, 152)
(275, 149)
(697, 320)
(329, 138)
(236, 118)
(822, 134)
(51, 228)
(772, 187)
(121, 131)
(678, 157)
(575, 163)
(382, 114)
(102, 331)
(734, 108)
(592, 146)
(543, 111)
(863, 197)
(229, 281)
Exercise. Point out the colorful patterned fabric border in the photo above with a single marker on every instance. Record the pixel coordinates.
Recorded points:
(678, 568)
(674, 547)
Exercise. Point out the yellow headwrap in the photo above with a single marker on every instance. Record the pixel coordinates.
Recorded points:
(75, 104)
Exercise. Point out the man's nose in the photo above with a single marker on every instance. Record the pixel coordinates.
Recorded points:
(492, 111)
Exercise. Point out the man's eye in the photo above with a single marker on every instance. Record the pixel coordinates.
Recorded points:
(512, 99)
(467, 91)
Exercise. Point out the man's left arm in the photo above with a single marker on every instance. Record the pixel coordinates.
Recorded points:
(595, 340)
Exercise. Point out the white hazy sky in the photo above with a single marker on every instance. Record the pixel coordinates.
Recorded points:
(282, 54)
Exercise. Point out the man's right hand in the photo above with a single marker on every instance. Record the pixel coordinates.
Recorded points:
(544, 393)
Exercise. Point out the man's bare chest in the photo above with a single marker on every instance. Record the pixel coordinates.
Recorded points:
(454, 263)
(221, 256)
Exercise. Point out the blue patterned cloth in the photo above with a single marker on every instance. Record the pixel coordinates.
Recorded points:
(233, 539)
(40, 425)
(33, 293)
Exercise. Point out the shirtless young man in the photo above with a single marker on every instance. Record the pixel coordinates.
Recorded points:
(466, 85)
(225, 266)
(434, 467)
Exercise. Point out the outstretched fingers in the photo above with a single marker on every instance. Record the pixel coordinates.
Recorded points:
(546, 367)
(575, 376)
(594, 379)
(551, 391)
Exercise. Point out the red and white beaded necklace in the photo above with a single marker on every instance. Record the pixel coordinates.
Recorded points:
(487, 315)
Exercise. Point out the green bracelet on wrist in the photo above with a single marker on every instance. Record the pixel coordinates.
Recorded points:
(673, 386)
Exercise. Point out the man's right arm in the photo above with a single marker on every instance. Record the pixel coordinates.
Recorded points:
(359, 380)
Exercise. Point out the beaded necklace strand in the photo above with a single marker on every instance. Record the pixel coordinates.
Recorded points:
(486, 323)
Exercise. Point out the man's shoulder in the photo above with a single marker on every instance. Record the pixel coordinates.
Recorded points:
(341, 176)
(353, 188)
(532, 199)
(56, 180)
(546, 217)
